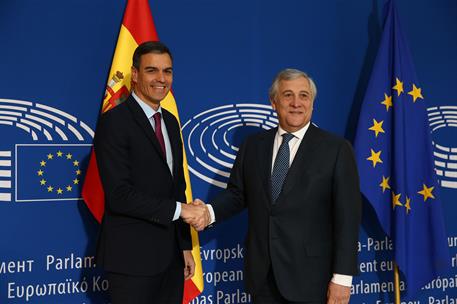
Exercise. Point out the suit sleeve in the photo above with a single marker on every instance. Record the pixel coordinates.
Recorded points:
(112, 144)
(184, 228)
(231, 200)
(346, 212)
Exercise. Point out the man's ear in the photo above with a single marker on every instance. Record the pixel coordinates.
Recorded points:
(273, 104)
(134, 73)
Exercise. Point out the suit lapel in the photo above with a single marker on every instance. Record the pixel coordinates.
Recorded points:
(304, 155)
(265, 154)
(143, 122)
(173, 135)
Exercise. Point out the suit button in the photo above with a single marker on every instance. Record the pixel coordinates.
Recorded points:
(273, 211)
(273, 232)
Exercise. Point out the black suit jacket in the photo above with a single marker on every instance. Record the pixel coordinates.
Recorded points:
(311, 231)
(138, 236)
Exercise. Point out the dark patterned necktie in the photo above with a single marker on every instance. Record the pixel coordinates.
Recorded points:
(281, 166)
(158, 131)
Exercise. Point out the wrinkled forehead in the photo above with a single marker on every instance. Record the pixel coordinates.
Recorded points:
(299, 84)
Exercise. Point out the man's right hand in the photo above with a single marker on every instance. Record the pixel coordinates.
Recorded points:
(196, 214)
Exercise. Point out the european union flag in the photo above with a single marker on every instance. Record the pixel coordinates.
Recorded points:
(50, 172)
(394, 156)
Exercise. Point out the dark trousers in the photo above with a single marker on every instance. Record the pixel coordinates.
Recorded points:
(166, 287)
(270, 294)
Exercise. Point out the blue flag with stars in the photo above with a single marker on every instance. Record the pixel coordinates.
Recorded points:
(49, 172)
(394, 157)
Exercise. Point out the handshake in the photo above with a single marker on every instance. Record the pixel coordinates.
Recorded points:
(196, 214)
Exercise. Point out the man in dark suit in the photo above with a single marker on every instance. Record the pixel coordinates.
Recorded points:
(144, 246)
(301, 190)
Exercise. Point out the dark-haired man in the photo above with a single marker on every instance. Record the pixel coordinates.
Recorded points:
(144, 245)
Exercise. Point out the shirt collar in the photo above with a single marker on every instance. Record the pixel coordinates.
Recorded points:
(299, 134)
(148, 111)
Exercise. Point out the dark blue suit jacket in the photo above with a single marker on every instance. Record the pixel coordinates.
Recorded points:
(311, 231)
(138, 236)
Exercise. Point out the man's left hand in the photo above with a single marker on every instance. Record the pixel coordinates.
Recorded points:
(189, 264)
(338, 294)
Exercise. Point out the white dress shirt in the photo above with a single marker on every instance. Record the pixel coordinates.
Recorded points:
(294, 143)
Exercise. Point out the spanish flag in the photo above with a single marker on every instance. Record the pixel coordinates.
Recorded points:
(137, 27)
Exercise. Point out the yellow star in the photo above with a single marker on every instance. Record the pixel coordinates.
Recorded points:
(40, 172)
(50, 188)
(375, 157)
(76, 181)
(42, 163)
(398, 86)
(377, 127)
(408, 205)
(78, 172)
(42, 182)
(416, 93)
(59, 153)
(387, 101)
(385, 183)
(69, 188)
(396, 200)
(59, 191)
(50, 156)
(69, 156)
(75, 163)
(426, 192)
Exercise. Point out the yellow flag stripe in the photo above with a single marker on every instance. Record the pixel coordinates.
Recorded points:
(169, 103)
(122, 60)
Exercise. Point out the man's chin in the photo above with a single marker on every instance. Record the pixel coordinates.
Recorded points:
(159, 98)
(296, 125)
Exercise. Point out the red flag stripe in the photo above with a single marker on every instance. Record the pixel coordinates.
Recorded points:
(190, 291)
(138, 20)
(92, 192)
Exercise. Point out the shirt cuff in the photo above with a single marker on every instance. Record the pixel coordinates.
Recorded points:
(177, 211)
(211, 213)
(342, 279)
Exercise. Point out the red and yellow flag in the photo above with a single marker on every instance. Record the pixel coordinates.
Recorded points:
(137, 27)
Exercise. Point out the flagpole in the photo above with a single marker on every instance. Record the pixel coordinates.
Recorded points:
(396, 284)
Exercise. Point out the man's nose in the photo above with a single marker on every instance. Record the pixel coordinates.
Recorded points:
(294, 101)
(161, 77)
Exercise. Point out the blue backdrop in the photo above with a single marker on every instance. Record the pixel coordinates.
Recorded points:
(55, 57)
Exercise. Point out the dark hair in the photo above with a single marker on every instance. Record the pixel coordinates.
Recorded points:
(147, 47)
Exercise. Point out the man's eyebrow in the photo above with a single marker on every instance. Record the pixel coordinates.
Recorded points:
(151, 67)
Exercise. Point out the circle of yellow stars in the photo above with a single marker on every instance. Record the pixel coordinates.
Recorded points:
(375, 156)
(60, 188)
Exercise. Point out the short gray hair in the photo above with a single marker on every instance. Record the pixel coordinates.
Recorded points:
(291, 74)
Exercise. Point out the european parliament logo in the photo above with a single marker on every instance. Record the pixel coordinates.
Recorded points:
(213, 137)
(443, 123)
(43, 152)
